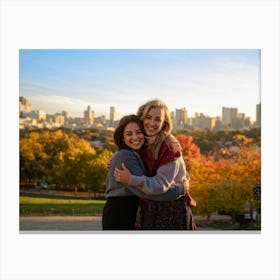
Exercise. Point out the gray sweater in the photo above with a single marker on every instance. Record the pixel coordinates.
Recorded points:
(169, 174)
(152, 190)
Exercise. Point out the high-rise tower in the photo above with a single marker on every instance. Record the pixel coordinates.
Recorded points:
(181, 117)
(258, 114)
(89, 116)
(228, 115)
(24, 105)
(112, 116)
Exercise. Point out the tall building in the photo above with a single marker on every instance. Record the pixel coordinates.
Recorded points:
(65, 115)
(59, 119)
(38, 115)
(258, 114)
(41, 115)
(203, 122)
(239, 121)
(181, 118)
(228, 115)
(24, 105)
(218, 123)
(113, 115)
(247, 122)
(89, 116)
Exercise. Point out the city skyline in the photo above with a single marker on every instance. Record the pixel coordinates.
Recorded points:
(230, 119)
(108, 113)
(202, 81)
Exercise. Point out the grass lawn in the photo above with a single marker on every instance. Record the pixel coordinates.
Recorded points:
(59, 206)
(42, 206)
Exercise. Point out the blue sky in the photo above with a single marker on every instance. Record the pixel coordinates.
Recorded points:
(200, 80)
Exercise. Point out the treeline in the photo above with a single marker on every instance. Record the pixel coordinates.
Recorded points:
(64, 159)
(224, 166)
(210, 141)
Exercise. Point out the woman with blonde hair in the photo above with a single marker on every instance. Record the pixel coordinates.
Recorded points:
(119, 212)
(161, 160)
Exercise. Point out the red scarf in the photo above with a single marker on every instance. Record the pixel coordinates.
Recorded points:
(165, 155)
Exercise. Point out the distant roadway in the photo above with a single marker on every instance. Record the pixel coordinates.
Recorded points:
(30, 224)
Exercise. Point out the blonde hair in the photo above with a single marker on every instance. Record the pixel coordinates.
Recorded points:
(166, 126)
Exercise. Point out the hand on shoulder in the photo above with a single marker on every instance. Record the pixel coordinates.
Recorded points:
(173, 144)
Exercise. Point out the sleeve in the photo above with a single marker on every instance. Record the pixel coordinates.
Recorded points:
(132, 161)
(173, 193)
(136, 166)
(159, 183)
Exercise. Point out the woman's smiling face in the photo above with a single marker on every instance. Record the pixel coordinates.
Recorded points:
(133, 136)
(153, 121)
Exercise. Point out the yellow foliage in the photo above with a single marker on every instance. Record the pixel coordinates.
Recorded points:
(225, 180)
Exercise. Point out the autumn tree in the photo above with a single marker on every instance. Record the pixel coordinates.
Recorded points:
(190, 150)
(32, 159)
(71, 161)
(225, 179)
(95, 173)
(64, 159)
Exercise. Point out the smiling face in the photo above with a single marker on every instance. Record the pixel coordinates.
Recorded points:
(153, 121)
(133, 136)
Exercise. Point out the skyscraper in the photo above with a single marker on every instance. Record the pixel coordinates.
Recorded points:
(89, 116)
(24, 105)
(228, 115)
(258, 114)
(65, 115)
(112, 116)
(203, 122)
(181, 117)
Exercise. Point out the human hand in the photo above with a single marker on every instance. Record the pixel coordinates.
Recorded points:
(190, 200)
(173, 143)
(122, 176)
(176, 147)
(186, 185)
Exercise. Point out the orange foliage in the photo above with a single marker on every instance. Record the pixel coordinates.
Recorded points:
(225, 179)
(190, 150)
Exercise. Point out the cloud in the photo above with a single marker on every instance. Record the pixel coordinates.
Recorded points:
(54, 103)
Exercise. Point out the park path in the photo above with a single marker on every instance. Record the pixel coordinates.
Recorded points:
(66, 223)
(60, 223)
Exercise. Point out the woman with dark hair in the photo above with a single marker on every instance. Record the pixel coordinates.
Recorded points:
(121, 206)
(169, 168)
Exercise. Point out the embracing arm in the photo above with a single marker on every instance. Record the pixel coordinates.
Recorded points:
(160, 183)
(135, 164)
(173, 193)
(173, 143)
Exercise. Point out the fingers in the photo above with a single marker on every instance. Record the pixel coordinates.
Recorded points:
(117, 174)
(186, 185)
(124, 167)
(117, 171)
